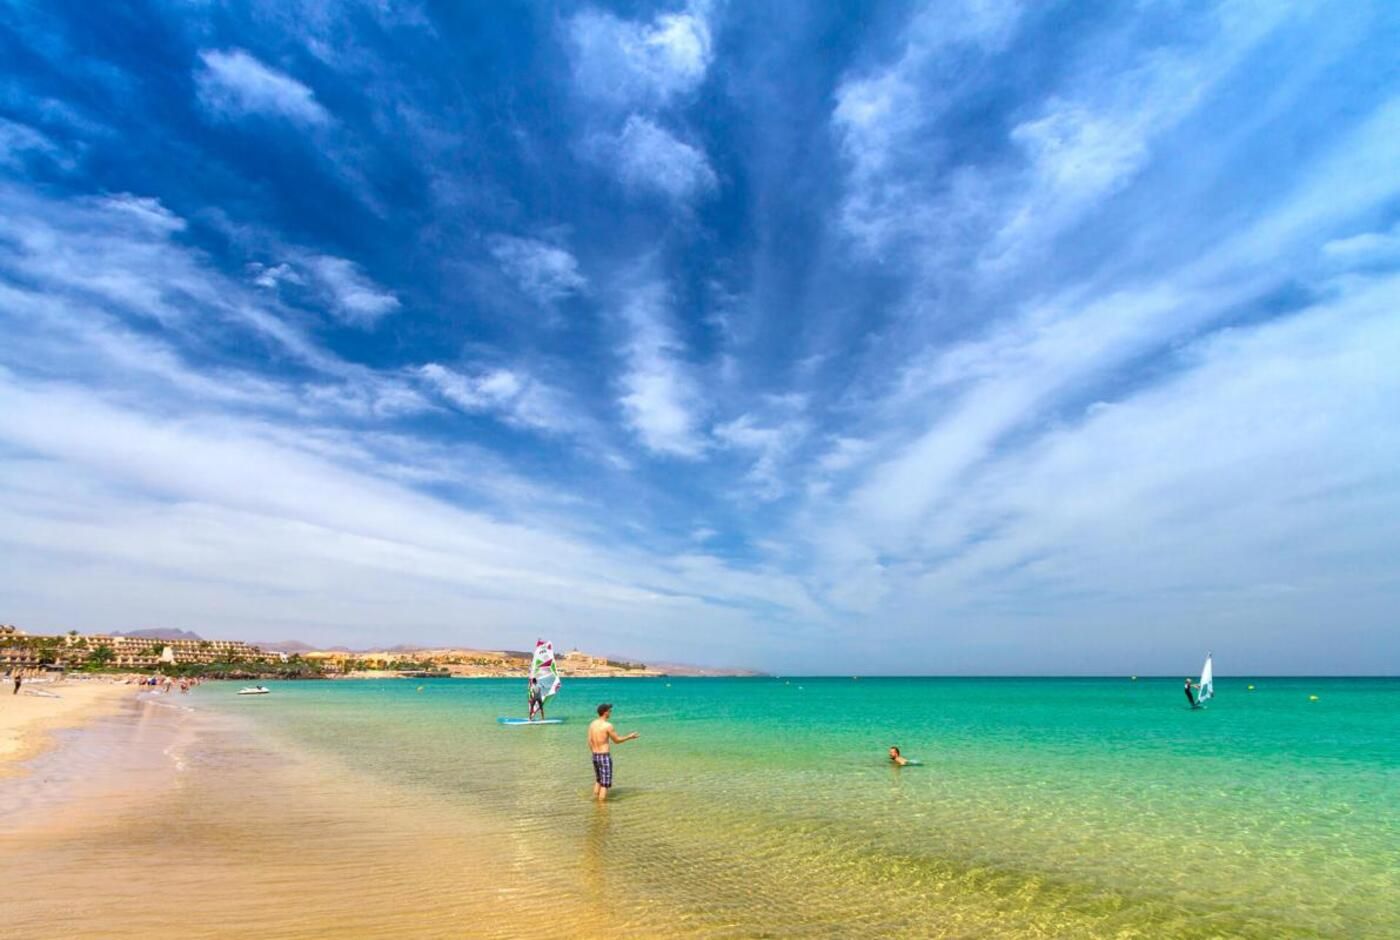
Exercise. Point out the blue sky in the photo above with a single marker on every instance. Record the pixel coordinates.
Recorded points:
(953, 337)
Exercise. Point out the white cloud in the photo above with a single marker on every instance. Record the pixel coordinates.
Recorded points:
(547, 274)
(20, 141)
(1365, 249)
(74, 272)
(271, 276)
(1241, 471)
(628, 63)
(660, 399)
(260, 528)
(514, 396)
(354, 297)
(649, 159)
(884, 120)
(844, 453)
(367, 397)
(233, 84)
(1084, 142)
(770, 438)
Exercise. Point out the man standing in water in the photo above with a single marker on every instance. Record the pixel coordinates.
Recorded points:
(601, 737)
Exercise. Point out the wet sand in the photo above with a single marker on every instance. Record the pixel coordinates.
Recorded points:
(157, 816)
(29, 720)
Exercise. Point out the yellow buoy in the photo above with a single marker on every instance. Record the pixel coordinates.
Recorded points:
(1251, 688)
(1312, 698)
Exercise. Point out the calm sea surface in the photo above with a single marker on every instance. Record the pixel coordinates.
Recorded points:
(767, 806)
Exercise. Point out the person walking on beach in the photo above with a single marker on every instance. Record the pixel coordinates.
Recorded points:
(19, 680)
(601, 737)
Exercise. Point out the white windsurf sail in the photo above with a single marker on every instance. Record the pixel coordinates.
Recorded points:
(542, 670)
(1207, 690)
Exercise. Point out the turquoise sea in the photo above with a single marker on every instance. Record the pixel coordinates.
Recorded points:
(767, 807)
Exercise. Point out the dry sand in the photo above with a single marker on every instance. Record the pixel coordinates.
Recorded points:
(27, 720)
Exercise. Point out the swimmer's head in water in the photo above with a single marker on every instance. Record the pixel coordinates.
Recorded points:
(604, 709)
(894, 751)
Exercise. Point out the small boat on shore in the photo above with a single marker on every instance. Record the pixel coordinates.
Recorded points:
(255, 690)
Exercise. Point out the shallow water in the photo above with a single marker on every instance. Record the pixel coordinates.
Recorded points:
(756, 807)
(767, 806)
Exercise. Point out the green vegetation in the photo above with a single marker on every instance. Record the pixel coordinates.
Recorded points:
(99, 659)
(294, 668)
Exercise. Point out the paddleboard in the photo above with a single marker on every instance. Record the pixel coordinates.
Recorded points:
(513, 722)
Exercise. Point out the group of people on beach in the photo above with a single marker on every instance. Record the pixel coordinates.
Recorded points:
(166, 684)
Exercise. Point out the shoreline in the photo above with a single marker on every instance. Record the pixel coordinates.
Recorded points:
(31, 720)
(203, 793)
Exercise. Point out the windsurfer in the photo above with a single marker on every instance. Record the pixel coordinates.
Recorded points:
(536, 699)
(601, 737)
(1189, 697)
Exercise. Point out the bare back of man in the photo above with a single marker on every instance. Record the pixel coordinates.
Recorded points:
(601, 737)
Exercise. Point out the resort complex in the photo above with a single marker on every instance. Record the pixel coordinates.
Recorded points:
(115, 652)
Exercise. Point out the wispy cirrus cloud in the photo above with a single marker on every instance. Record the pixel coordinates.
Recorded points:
(660, 398)
(87, 279)
(353, 297)
(513, 395)
(20, 143)
(233, 83)
(627, 62)
(768, 435)
(545, 273)
(650, 160)
(639, 69)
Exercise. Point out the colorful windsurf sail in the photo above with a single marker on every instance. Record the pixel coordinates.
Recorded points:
(1207, 690)
(542, 671)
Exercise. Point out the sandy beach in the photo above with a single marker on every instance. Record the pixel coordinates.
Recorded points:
(28, 720)
(244, 831)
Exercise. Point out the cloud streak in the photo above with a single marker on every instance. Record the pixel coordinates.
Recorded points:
(233, 84)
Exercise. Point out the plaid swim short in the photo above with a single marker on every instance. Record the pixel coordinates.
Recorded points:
(602, 769)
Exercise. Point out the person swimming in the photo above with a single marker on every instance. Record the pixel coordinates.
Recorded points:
(896, 758)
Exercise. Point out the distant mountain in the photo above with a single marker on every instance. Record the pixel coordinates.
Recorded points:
(285, 646)
(682, 669)
(162, 633)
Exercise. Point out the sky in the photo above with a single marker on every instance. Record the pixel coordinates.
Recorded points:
(955, 337)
